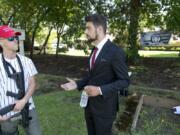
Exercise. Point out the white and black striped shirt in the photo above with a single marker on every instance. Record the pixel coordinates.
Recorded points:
(8, 84)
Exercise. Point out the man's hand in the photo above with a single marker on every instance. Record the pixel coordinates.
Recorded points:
(71, 85)
(92, 91)
(3, 118)
(19, 105)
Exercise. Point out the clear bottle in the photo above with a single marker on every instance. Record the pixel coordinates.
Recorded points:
(84, 99)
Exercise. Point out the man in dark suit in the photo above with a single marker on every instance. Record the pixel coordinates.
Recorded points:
(107, 75)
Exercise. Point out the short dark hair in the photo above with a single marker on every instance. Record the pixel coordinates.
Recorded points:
(97, 20)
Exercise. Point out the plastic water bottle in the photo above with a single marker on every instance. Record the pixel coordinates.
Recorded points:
(84, 99)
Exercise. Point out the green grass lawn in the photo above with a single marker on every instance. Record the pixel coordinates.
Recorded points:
(160, 54)
(60, 113)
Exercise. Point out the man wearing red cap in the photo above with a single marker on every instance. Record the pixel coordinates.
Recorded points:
(17, 85)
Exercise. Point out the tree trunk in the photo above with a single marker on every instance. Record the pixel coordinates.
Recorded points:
(58, 41)
(45, 42)
(33, 38)
(133, 27)
(59, 33)
(35, 29)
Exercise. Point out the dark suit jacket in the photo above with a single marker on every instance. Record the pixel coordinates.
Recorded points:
(110, 72)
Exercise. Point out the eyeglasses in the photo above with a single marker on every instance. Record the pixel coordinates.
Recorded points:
(13, 38)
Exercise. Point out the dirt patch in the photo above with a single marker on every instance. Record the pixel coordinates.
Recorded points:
(68, 66)
(158, 73)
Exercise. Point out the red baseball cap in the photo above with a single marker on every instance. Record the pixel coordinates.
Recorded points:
(7, 32)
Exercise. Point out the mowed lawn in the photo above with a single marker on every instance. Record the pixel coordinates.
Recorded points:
(60, 113)
(160, 54)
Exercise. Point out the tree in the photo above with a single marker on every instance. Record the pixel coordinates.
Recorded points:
(46, 41)
(126, 18)
(135, 7)
(172, 16)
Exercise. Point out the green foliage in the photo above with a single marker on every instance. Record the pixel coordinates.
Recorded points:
(172, 19)
(118, 22)
(125, 18)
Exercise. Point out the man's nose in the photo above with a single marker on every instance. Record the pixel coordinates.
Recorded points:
(16, 41)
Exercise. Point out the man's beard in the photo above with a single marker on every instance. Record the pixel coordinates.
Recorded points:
(92, 39)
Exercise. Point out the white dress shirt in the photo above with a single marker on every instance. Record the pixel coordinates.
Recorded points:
(99, 46)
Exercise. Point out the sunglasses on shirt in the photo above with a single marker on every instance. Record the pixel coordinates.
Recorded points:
(12, 38)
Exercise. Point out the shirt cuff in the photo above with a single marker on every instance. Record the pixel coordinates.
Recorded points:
(100, 90)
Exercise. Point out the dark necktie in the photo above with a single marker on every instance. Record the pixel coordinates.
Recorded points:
(93, 57)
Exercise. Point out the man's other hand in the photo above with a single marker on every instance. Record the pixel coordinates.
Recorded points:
(19, 105)
(92, 91)
(71, 85)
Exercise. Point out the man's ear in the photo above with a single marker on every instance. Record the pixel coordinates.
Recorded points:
(100, 29)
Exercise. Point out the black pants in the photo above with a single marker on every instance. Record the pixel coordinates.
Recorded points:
(98, 125)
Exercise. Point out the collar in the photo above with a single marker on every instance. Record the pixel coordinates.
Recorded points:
(101, 44)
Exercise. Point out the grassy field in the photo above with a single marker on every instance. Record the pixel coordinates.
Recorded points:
(159, 54)
(60, 113)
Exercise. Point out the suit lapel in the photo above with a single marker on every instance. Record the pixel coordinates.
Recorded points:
(101, 54)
